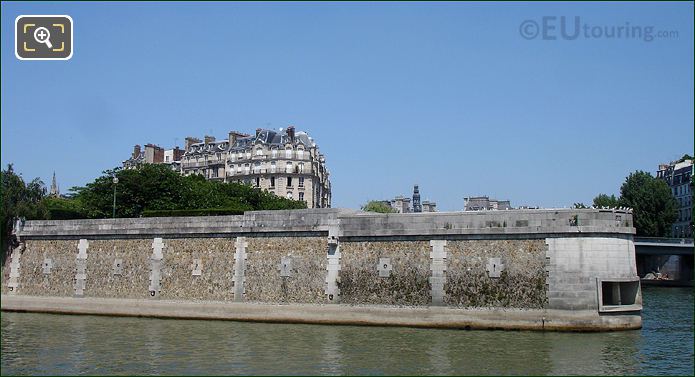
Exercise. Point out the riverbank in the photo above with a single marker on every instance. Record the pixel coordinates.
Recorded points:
(336, 314)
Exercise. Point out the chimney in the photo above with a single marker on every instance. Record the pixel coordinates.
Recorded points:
(178, 153)
(209, 139)
(190, 140)
(234, 135)
(290, 133)
(136, 151)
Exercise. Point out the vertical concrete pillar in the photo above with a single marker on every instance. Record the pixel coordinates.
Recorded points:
(81, 267)
(13, 282)
(156, 267)
(239, 268)
(332, 290)
(438, 268)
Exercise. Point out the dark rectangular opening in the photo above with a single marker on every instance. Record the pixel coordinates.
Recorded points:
(619, 292)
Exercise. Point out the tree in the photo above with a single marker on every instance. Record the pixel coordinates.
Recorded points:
(19, 200)
(654, 208)
(685, 157)
(579, 205)
(155, 187)
(378, 206)
(603, 200)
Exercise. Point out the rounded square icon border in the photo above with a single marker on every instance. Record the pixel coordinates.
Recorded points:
(72, 35)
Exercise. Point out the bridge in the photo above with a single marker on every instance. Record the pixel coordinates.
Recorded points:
(670, 256)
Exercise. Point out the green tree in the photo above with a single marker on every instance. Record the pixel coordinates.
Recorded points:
(579, 205)
(156, 187)
(654, 208)
(603, 200)
(378, 206)
(19, 199)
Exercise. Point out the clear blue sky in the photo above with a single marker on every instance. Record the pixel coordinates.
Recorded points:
(449, 95)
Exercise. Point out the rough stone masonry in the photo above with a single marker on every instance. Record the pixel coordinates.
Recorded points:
(564, 269)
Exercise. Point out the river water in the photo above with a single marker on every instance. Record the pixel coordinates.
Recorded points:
(63, 344)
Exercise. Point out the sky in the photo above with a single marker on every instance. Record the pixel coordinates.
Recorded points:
(463, 99)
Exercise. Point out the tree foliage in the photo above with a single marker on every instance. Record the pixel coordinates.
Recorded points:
(654, 207)
(603, 200)
(378, 206)
(19, 199)
(156, 187)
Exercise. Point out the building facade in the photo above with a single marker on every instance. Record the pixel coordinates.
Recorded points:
(284, 162)
(678, 176)
(484, 203)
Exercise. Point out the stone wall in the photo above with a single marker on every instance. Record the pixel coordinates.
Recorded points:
(58, 279)
(408, 280)
(552, 259)
(522, 276)
(305, 270)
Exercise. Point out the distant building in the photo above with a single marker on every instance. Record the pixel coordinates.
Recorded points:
(154, 154)
(284, 162)
(428, 206)
(287, 163)
(484, 203)
(678, 177)
(403, 204)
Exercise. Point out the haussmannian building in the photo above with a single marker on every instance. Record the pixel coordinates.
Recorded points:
(678, 177)
(284, 162)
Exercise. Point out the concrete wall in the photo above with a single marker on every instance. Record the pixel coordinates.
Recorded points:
(527, 259)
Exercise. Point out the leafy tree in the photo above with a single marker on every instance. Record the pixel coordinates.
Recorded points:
(580, 205)
(603, 200)
(19, 199)
(156, 187)
(378, 206)
(685, 157)
(654, 208)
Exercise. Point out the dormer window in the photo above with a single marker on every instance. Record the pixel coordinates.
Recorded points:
(259, 151)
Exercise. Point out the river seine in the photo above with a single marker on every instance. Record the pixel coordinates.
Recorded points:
(67, 345)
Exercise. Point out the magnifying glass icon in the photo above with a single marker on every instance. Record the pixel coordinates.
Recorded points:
(42, 35)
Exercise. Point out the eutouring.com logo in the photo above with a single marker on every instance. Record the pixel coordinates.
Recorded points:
(552, 28)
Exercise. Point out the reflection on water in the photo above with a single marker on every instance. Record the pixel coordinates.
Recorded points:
(60, 344)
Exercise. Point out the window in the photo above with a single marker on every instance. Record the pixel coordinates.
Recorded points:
(240, 155)
(248, 154)
(301, 167)
(238, 169)
(272, 181)
(301, 196)
(257, 168)
(232, 157)
(258, 182)
(247, 169)
(288, 169)
(289, 181)
(289, 195)
(274, 153)
(301, 182)
(288, 152)
(272, 167)
(300, 154)
(259, 151)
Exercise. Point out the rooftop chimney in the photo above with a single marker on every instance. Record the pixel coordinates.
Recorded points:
(234, 135)
(136, 151)
(209, 139)
(190, 140)
(290, 133)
